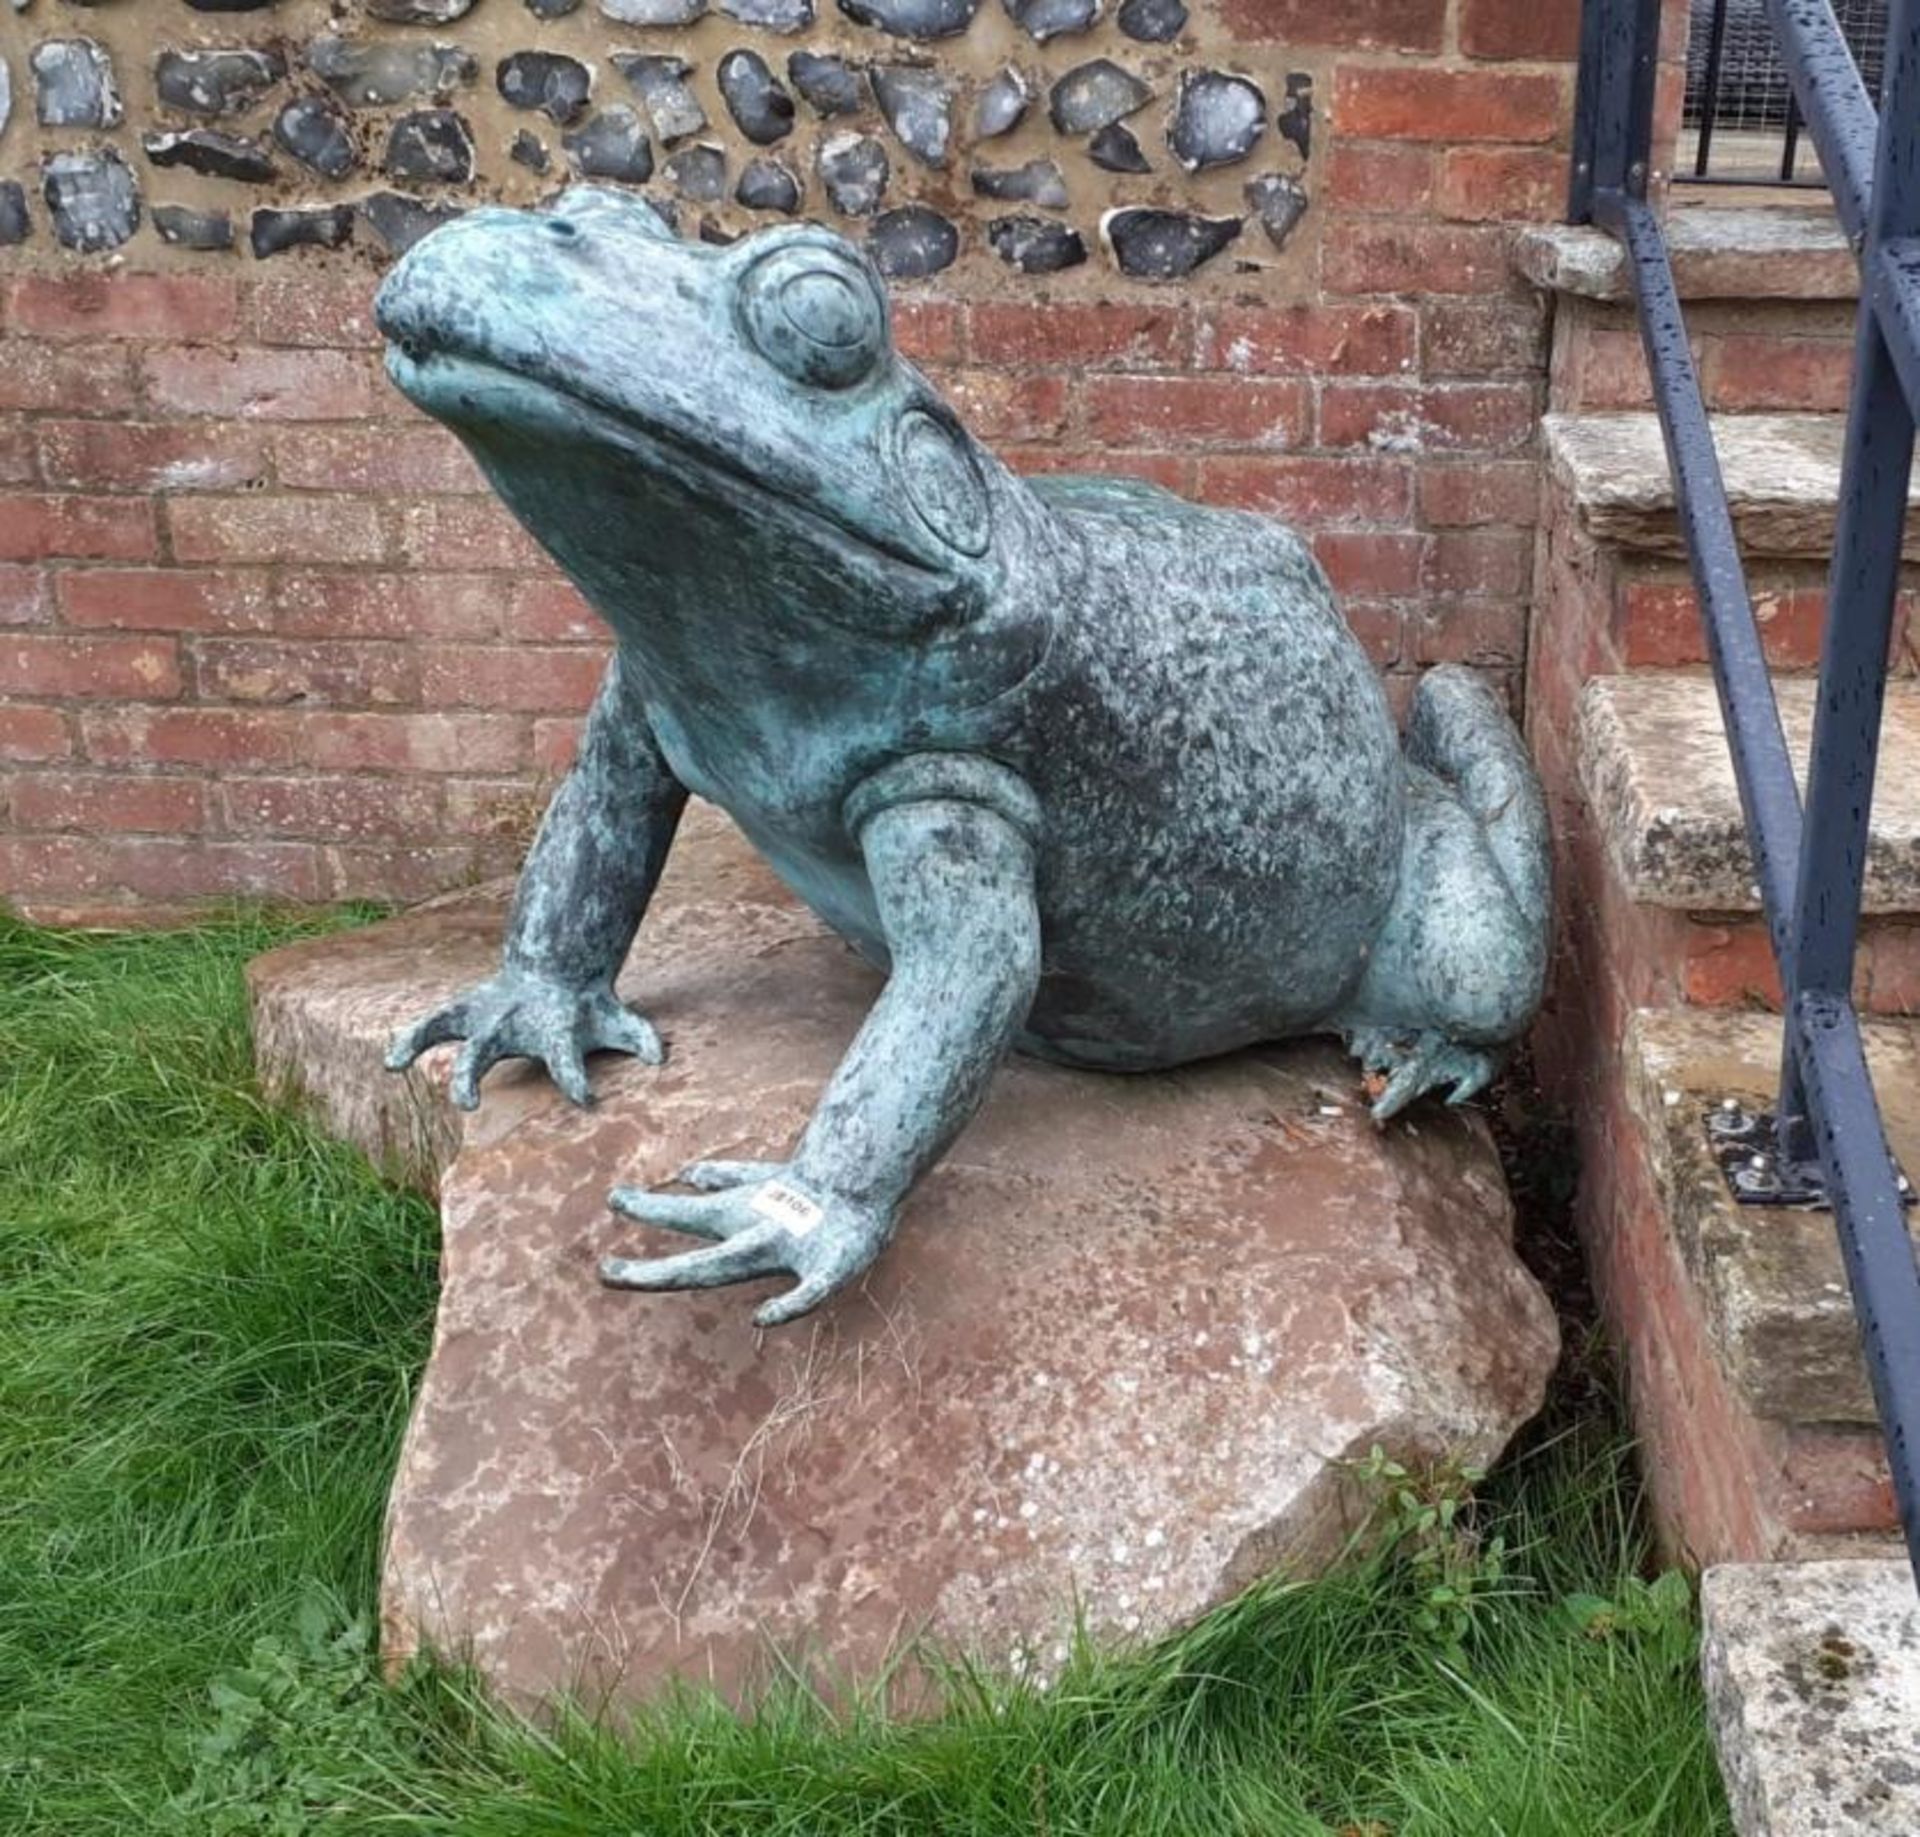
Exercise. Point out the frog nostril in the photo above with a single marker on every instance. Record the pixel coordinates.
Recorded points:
(562, 228)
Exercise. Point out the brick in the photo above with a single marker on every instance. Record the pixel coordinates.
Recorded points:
(332, 809)
(555, 742)
(92, 304)
(408, 872)
(1657, 624)
(1729, 967)
(66, 379)
(1544, 29)
(1492, 491)
(263, 385)
(1379, 178)
(322, 740)
(1370, 564)
(38, 525)
(25, 598)
(19, 455)
(373, 459)
(928, 331)
(1380, 627)
(1009, 404)
(1611, 369)
(136, 456)
(1490, 635)
(314, 309)
(1159, 412)
(108, 803)
(152, 867)
(1388, 256)
(163, 599)
(1412, 102)
(1502, 184)
(1762, 372)
(1402, 418)
(358, 604)
(1362, 25)
(552, 611)
(1316, 492)
(32, 736)
(1486, 563)
(505, 809)
(1377, 340)
(1172, 471)
(1093, 334)
(305, 529)
(464, 534)
(100, 669)
(528, 678)
(1478, 339)
(344, 674)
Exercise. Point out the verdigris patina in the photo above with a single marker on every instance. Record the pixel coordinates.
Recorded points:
(1090, 770)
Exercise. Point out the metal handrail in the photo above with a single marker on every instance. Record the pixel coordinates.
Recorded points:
(1810, 867)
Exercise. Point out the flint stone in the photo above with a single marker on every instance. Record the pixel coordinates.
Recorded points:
(1094, 95)
(419, 12)
(433, 145)
(1165, 245)
(911, 243)
(1152, 22)
(654, 12)
(273, 232)
(1279, 200)
(15, 224)
(315, 132)
(612, 145)
(551, 9)
(1123, 1355)
(529, 150)
(854, 169)
(215, 82)
(755, 97)
(1217, 118)
(918, 106)
(400, 221)
(73, 84)
(93, 198)
(1002, 106)
(1045, 19)
(770, 15)
(1039, 181)
(1036, 245)
(830, 84)
(699, 174)
(219, 156)
(6, 94)
(187, 228)
(913, 18)
(1295, 120)
(661, 83)
(1117, 150)
(555, 84)
(367, 75)
(767, 184)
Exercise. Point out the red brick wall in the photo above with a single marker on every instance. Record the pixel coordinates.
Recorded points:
(261, 631)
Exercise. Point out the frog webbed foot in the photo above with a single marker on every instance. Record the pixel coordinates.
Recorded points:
(1413, 1064)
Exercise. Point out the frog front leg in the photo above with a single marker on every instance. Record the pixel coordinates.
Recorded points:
(953, 882)
(581, 895)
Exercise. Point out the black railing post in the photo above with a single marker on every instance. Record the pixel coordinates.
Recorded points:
(1613, 101)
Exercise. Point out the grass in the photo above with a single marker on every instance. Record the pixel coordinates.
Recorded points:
(210, 1323)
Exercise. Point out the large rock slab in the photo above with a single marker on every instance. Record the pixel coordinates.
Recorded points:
(1119, 1362)
(1813, 1685)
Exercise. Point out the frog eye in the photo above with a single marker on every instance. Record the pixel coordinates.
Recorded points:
(816, 314)
(943, 482)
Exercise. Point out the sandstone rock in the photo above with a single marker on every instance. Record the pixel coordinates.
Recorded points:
(1131, 1334)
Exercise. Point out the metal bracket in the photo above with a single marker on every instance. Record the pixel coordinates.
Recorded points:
(1746, 1145)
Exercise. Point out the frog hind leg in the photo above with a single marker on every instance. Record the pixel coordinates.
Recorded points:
(1459, 966)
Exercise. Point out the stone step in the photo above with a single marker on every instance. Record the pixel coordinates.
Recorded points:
(1656, 774)
(1769, 1279)
(1782, 474)
(1740, 254)
(1813, 1687)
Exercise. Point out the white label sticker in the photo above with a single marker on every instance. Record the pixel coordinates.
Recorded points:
(784, 1206)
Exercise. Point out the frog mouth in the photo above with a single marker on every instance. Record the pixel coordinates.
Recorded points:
(458, 386)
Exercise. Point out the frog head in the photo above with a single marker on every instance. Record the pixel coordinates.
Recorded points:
(701, 433)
